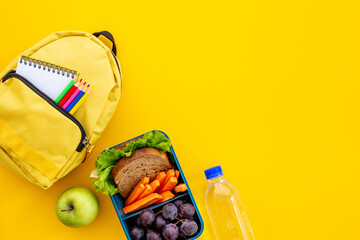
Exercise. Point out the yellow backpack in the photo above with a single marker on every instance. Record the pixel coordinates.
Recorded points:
(40, 142)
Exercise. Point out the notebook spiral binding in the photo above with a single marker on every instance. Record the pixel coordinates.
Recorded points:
(48, 66)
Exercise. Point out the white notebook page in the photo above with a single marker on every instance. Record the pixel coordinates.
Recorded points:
(47, 80)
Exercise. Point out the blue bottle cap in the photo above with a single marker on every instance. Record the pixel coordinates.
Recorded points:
(213, 172)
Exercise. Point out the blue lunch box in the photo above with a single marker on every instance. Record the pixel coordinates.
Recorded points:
(129, 220)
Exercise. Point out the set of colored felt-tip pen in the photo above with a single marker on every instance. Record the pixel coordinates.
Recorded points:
(74, 95)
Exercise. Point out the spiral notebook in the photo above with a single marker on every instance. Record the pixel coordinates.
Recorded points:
(49, 78)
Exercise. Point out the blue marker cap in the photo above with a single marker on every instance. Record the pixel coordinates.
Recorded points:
(213, 172)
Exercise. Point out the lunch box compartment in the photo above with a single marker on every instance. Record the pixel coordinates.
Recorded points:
(129, 220)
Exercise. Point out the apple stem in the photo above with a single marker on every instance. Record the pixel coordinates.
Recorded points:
(70, 209)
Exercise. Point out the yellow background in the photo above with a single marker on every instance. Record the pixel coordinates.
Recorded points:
(267, 89)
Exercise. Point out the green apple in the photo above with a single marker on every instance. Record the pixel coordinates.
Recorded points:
(77, 207)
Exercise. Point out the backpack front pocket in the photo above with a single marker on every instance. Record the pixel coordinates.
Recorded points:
(35, 130)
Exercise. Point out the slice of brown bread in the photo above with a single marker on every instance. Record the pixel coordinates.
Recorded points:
(146, 162)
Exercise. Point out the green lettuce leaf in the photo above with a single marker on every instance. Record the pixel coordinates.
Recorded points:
(107, 160)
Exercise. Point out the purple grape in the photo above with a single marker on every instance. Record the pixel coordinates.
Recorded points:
(188, 228)
(146, 217)
(178, 203)
(170, 211)
(186, 211)
(170, 232)
(160, 222)
(182, 235)
(153, 235)
(137, 233)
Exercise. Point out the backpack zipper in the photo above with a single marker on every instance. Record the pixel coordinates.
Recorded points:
(84, 141)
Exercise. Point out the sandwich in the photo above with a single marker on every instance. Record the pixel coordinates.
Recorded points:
(121, 168)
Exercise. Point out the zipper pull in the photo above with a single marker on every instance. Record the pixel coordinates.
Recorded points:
(85, 141)
(87, 145)
(89, 148)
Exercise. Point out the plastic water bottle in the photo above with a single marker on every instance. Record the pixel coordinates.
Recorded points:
(226, 210)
